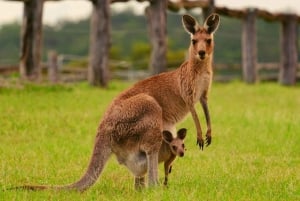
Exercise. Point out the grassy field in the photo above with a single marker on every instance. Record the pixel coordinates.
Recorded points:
(47, 133)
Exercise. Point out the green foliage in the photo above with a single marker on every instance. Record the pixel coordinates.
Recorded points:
(115, 53)
(10, 43)
(129, 31)
(140, 55)
(139, 50)
(78, 63)
(47, 134)
(268, 41)
(67, 38)
(228, 41)
(175, 58)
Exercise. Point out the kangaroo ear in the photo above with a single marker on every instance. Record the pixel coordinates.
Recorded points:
(189, 24)
(167, 136)
(211, 23)
(181, 133)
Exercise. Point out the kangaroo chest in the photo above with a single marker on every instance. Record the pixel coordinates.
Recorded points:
(198, 87)
(202, 85)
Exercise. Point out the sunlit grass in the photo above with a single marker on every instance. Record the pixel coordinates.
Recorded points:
(47, 133)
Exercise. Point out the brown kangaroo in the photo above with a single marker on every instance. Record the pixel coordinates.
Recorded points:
(170, 148)
(137, 117)
(136, 161)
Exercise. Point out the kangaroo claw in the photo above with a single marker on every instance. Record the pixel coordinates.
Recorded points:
(200, 142)
(208, 140)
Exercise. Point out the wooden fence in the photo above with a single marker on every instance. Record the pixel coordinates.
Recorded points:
(54, 72)
(30, 64)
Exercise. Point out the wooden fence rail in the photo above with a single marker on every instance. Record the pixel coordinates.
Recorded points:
(223, 72)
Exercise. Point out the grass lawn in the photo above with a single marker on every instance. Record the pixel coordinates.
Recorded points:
(47, 133)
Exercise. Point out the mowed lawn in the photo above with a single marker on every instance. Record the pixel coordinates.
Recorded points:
(47, 133)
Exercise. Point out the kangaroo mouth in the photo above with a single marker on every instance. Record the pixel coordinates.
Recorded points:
(200, 57)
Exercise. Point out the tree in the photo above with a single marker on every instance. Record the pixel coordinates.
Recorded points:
(31, 40)
(99, 43)
(157, 20)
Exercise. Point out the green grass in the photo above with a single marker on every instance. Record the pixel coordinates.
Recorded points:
(47, 133)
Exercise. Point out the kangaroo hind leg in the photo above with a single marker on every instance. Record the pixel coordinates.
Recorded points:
(150, 127)
(138, 124)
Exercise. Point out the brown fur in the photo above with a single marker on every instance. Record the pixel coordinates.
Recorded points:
(170, 148)
(135, 120)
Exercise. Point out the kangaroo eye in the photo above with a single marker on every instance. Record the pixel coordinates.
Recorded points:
(194, 41)
(208, 41)
(174, 147)
(183, 145)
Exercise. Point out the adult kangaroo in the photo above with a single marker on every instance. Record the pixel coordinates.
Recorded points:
(137, 117)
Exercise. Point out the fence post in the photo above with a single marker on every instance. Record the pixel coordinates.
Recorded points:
(289, 50)
(209, 9)
(31, 40)
(157, 23)
(53, 68)
(249, 49)
(98, 74)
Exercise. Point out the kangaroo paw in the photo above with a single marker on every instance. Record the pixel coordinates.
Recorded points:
(200, 142)
(208, 140)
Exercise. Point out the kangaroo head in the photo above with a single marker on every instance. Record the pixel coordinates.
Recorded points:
(176, 144)
(202, 43)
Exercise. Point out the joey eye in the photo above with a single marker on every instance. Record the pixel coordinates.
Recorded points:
(194, 41)
(174, 147)
(208, 41)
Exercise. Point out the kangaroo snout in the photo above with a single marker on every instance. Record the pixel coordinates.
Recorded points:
(201, 54)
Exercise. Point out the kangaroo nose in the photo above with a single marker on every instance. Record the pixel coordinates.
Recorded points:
(181, 154)
(201, 54)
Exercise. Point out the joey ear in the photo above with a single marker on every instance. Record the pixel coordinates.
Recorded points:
(211, 23)
(167, 136)
(189, 24)
(181, 133)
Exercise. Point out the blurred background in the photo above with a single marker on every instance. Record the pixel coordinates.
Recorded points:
(66, 39)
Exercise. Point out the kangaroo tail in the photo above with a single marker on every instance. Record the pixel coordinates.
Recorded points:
(29, 187)
(100, 155)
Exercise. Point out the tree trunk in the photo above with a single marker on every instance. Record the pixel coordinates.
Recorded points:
(31, 40)
(289, 51)
(157, 24)
(249, 49)
(99, 43)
